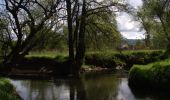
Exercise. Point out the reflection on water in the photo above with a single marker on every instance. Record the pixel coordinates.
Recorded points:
(41, 90)
(96, 86)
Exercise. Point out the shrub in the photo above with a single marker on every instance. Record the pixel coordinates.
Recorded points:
(127, 59)
(155, 75)
(143, 57)
(7, 90)
(108, 60)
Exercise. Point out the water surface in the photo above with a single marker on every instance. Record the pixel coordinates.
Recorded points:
(91, 86)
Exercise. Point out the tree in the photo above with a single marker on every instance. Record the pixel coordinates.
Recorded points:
(147, 23)
(29, 20)
(5, 38)
(102, 31)
(51, 40)
(79, 12)
(79, 33)
(26, 19)
(159, 12)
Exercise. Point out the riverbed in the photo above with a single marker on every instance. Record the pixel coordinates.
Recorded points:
(90, 86)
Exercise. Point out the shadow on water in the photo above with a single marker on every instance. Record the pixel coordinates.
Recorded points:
(91, 86)
(150, 94)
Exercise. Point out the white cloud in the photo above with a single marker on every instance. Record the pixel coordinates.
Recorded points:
(128, 27)
(99, 0)
(127, 23)
(135, 3)
(133, 35)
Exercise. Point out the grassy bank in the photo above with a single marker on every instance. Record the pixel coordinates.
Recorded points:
(106, 59)
(125, 59)
(48, 63)
(151, 76)
(7, 91)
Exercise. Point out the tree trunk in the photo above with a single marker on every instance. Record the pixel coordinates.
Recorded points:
(167, 52)
(70, 32)
(147, 40)
(80, 50)
(13, 54)
(78, 40)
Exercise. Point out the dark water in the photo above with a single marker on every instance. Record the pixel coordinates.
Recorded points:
(91, 86)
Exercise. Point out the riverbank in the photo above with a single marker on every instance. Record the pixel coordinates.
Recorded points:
(154, 76)
(7, 90)
(46, 66)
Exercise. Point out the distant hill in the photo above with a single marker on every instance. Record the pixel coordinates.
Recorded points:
(132, 41)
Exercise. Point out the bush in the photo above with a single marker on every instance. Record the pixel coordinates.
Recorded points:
(108, 60)
(7, 90)
(127, 59)
(155, 75)
(144, 57)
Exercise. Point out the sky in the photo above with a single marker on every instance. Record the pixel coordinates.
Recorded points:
(128, 27)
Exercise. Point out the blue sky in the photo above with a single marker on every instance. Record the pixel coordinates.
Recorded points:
(128, 27)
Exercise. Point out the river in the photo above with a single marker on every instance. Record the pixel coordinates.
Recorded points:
(91, 86)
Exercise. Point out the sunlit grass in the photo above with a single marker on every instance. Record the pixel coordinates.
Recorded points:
(53, 53)
(151, 65)
(124, 51)
(48, 54)
(139, 51)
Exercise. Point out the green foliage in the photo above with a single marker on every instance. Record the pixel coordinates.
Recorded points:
(145, 57)
(50, 40)
(7, 90)
(159, 40)
(113, 59)
(154, 75)
(61, 58)
(154, 15)
(102, 31)
(5, 38)
(108, 60)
